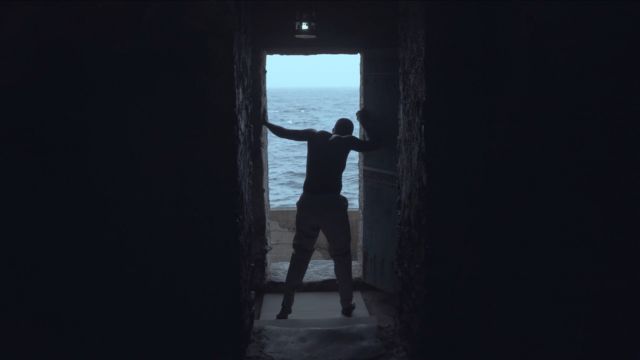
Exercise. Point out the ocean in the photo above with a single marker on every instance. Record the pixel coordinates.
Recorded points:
(303, 108)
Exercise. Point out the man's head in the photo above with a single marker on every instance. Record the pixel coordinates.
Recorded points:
(343, 127)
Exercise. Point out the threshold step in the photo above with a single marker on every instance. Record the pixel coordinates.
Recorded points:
(311, 305)
(331, 323)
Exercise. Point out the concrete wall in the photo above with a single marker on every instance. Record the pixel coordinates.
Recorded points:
(282, 229)
(379, 185)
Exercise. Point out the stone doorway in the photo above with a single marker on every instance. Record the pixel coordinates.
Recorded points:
(310, 91)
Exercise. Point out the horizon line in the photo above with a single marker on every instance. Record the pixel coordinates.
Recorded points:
(314, 87)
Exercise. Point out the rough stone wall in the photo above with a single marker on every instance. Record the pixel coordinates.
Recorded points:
(519, 244)
(242, 74)
(249, 76)
(411, 257)
(120, 122)
(260, 190)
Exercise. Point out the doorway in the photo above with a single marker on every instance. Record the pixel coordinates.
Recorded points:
(308, 91)
(316, 315)
(375, 213)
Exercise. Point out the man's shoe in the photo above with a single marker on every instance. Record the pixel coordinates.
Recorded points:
(348, 311)
(283, 314)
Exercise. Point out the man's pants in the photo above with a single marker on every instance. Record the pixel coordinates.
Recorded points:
(326, 212)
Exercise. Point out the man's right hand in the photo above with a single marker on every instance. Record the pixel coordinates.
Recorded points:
(362, 115)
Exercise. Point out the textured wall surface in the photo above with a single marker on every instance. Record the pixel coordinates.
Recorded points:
(411, 260)
(249, 76)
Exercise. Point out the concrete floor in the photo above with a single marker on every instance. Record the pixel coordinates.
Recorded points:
(316, 330)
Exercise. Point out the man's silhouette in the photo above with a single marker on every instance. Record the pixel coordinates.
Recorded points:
(321, 207)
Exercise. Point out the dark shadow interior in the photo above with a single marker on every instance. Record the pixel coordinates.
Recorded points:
(133, 173)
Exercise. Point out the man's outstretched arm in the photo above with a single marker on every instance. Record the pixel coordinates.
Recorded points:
(297, 135)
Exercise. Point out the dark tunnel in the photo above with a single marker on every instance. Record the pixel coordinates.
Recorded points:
(133, 165)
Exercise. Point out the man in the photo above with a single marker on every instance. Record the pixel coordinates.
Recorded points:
(321, 207)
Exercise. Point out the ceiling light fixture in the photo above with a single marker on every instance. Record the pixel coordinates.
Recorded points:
(305, 25)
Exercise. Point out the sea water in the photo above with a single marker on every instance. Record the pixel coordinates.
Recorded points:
(304, 108)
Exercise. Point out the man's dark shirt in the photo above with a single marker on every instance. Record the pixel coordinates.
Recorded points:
(326, 160)
(326, 156)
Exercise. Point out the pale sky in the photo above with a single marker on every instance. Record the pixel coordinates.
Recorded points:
(313, 70)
